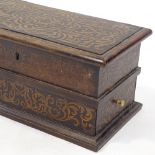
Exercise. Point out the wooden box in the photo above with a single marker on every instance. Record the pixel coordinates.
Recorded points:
(70, 75)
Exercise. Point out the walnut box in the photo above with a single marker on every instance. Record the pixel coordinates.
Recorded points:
(70, 75)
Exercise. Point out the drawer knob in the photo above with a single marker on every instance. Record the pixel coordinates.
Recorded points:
(120, 102)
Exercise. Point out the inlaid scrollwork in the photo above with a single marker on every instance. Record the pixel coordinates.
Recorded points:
(88, 33)
(53, 107)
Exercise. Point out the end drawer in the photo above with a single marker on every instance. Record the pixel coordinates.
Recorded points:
(114, 101)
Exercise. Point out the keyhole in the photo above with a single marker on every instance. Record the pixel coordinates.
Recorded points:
(17, 56)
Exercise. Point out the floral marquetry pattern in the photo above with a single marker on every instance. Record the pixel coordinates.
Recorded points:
(91, 34)
(52, 107)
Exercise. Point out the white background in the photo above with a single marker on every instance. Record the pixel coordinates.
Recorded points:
(138, 136)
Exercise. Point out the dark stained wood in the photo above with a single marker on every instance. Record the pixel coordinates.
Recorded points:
(117, 68)
(82, 113)
(66, 72)
(85, 56)
(56, 104)
(62, 71)
(70, 75)
(89, 142)
(107, 109)
(90, 34)
(116, 124)
(74, 57)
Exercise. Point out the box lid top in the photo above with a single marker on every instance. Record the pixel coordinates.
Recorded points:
(79, 35)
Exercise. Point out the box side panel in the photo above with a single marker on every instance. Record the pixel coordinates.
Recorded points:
(118, 67)
(115, 102)
(48, 102)
(67, 72)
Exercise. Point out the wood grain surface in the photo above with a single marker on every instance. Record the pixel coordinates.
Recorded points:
(75, 111)
(83, 32)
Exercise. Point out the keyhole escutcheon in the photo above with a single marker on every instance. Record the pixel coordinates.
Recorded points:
(17, 56)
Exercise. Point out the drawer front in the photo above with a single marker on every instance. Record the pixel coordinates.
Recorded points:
(69, 73)
(47, 102)
(116, 100)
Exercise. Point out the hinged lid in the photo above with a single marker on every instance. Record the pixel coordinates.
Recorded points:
(79, 35)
